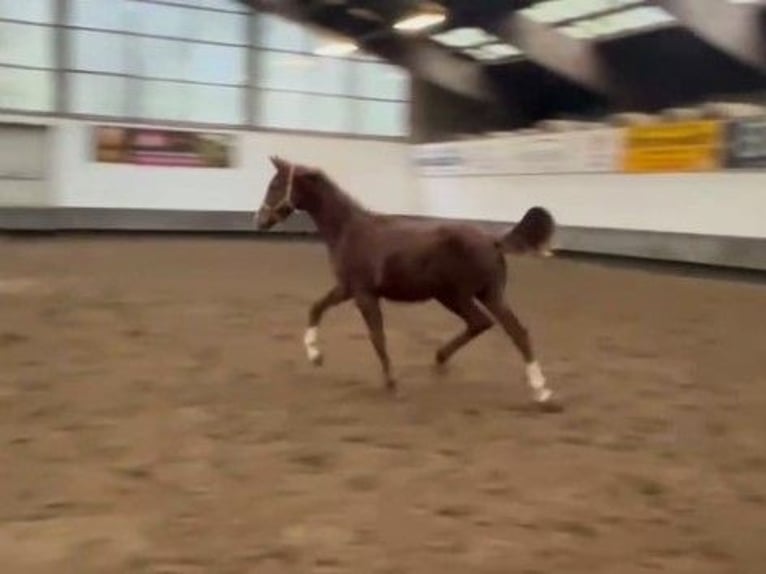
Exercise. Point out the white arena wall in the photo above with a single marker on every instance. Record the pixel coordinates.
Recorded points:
(378, 171)
(711, 215)
(711, 218)
(78, 187)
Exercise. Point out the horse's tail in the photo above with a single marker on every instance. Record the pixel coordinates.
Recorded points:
(532, 234)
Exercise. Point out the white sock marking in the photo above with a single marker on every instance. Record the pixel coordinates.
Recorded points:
(536, 380)
(310, 341)
(543, 395)
(535, 376)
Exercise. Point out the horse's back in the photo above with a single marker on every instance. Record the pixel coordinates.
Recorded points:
(413, 261)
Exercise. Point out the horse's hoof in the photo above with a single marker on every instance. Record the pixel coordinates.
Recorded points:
(317, 359)
(549, 406)
(440, 361)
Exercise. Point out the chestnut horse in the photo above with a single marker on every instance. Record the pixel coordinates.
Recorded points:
(377, 256)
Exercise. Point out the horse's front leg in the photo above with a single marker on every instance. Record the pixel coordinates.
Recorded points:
(369, 306)
(334, 297)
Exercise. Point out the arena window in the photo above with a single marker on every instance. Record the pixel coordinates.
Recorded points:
(191, 61)
(27, 59)
(297, 89)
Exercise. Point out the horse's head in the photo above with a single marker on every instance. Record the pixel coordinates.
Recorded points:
(285, 192)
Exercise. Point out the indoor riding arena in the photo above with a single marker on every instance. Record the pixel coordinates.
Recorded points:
(275, 297)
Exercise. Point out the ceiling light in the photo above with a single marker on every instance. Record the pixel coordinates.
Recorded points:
(427, 15)
(419, 22)
(464, 38)
(337, 48)
(365, 14)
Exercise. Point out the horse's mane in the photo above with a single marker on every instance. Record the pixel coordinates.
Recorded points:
(327, 182)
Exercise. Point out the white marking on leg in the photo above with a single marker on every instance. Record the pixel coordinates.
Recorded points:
(536, 380)
(310, 341)
(545, 250)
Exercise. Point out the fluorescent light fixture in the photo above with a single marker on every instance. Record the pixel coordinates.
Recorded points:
(337, 48)
(365, 14)
(425, 16)
(418, 22)
(555, 11)
(493, 52)
(464, 38)
(634, 19)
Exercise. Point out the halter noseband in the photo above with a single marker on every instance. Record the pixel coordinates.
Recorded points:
(287, 198)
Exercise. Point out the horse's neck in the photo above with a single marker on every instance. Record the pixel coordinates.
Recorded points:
(333, 211)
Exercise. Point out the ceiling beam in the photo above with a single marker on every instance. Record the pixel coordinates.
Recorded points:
(461, 76)
(423, 58)
(576, 60)
(736, 29)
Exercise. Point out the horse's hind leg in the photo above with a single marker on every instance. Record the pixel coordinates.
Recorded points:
(369, 306)
(335, 296)
(495, 303)
(476, 323)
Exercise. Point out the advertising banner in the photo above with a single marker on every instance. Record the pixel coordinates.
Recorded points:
(481, 157)
(162, 147)
(746, 143)
(674, 147)
(439, 159)
(555, 153)
(586, 151)
(598, 151)
(541, 153)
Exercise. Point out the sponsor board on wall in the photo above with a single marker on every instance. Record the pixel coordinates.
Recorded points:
(541, 153)
(481, 157)
(673, 147)
(588, 151)
(438, 159)
(162, 147)
(746, 143)
(600, 150)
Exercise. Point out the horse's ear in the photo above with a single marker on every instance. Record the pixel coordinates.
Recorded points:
(279, 163)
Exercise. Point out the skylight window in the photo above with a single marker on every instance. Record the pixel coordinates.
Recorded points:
(491, 52)
(556, 11)
(477, 44)
(615, 23)
(577, 31)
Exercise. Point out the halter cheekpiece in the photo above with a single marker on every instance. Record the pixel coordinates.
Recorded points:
(287, 198)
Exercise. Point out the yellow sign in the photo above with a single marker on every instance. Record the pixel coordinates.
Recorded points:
(672, 147)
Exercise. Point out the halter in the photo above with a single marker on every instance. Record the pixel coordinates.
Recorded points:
(287, 198)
